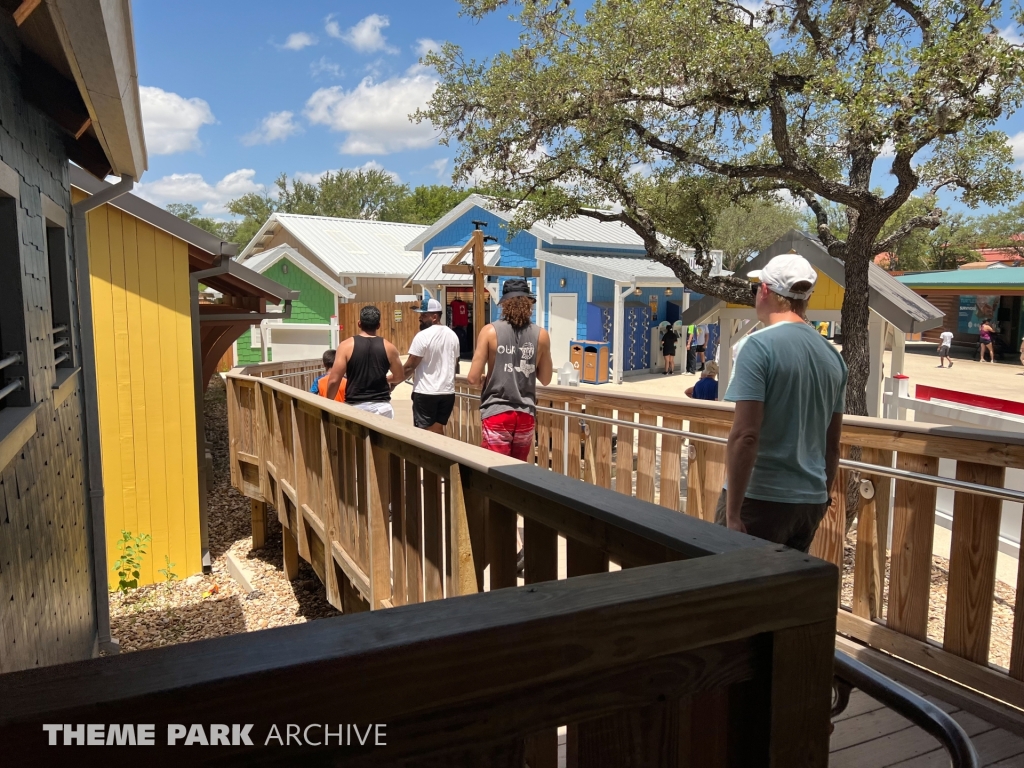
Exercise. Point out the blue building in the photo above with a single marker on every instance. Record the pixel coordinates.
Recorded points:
(595, 281)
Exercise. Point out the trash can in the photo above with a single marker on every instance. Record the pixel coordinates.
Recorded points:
(591, 359)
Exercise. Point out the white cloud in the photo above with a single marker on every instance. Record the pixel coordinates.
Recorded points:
(1016, 143)
(439, 166)
(426, 45)
(298, 40)
(325, 66)
(193, 188)
(277, 126)
(365, 36)
(375, 115)
(1011, 34)
(172, 122)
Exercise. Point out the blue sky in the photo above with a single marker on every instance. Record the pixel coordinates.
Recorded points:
(234, 93)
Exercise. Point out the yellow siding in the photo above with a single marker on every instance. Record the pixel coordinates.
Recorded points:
(828, 294)
(143, 338)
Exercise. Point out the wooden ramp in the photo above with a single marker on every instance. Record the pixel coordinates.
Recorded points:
(868, 735)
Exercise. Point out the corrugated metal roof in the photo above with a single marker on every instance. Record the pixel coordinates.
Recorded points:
(264, 260)
(974, 279)
(576, 231)
(349, 246)
(429, 271)
(621, 268)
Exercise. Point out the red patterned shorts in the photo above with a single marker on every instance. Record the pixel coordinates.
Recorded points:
(509, 433)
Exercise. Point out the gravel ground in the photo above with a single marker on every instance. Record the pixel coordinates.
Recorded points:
(1002, 604)
(213, 605)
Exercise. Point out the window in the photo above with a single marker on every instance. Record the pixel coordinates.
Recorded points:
(13, 369)
(61, 279)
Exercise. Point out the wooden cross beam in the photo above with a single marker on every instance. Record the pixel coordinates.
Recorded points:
(479, 270)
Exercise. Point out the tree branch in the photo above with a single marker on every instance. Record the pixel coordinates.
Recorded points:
(821, 216)
(925, 221)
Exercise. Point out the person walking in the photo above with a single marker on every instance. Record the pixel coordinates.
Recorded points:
(668, 350)
(433, 362)
(367, 359)
(945, 343)
(706, 387)
(700, 339)
(512, 354)
(789, 385)
(691, 355)
(320, 385)
(985, 336)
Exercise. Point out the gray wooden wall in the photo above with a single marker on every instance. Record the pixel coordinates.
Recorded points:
(46, 598)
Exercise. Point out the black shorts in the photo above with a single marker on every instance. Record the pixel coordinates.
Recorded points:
(669, 351)
(698, 347)
(791, 524)
(428, 410)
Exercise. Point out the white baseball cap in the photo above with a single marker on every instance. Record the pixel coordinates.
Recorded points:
(783, 272)
(429, 305)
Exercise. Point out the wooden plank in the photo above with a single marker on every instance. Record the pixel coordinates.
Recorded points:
(671, 447)
(831, 534)
(599, 449)
(912, 532)
(432, 554)
(501, 545)
(558, 463)
(290, 557)
(972, 565)
(643, 736)
(544, 436)
(331, 500)
(971, 445)
(801, 694)
(24, 10)
(461, 554)
(624, 455)
(872, 536)
(574, 466)
(378, 496)
(396, 475)
(646, 459)
(988, 680)
(258, 513)
(413, 534)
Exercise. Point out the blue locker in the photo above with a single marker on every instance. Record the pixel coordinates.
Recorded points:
(636, 345)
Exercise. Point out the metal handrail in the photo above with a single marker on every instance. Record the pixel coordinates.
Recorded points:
(917, 710)
(14, 386)
(1004, 494)
(60, 343)
(59, 329)
(60, 358)
(292, 373)
(11, 359)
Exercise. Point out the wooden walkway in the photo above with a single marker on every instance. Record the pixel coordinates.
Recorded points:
(867, 735)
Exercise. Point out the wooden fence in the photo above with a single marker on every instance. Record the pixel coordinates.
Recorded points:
(398, 322)
(391, 516)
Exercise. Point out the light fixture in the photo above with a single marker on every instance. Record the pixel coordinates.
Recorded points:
(668, 291)
(561, 283)
(284, 269)
(638, 292)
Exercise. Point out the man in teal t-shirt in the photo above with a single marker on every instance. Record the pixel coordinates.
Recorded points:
(789, 386)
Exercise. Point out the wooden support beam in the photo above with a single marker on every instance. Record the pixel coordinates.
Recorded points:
(23, 11)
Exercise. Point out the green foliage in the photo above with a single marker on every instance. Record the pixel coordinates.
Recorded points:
(129, 565)
(804, 96)
(745, 228)
(169, 575)
(225, 230)
(1004, 229)
(424, 205)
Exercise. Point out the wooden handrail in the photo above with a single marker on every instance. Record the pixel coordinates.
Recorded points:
(686, 476)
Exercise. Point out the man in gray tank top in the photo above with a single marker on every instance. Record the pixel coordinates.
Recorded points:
(516, 354)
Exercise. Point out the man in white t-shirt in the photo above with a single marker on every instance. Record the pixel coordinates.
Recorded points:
(433, 360)
(945, 342)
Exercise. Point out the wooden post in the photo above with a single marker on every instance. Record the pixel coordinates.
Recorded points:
(913, 528)
(291, 554)
(460, 545)
(258, 511)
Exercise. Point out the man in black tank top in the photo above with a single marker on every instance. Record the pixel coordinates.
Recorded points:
(517, 354)
(367, 359)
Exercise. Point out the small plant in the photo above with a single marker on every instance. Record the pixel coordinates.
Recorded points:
(129, 564)
(169, 575)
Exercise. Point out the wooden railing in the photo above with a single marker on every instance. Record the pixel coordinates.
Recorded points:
(632, 444)
(388, 516)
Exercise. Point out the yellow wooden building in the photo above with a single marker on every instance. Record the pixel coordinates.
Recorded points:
(156, 348)
(895, 310)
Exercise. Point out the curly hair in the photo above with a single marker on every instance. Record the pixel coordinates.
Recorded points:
(517, 311)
